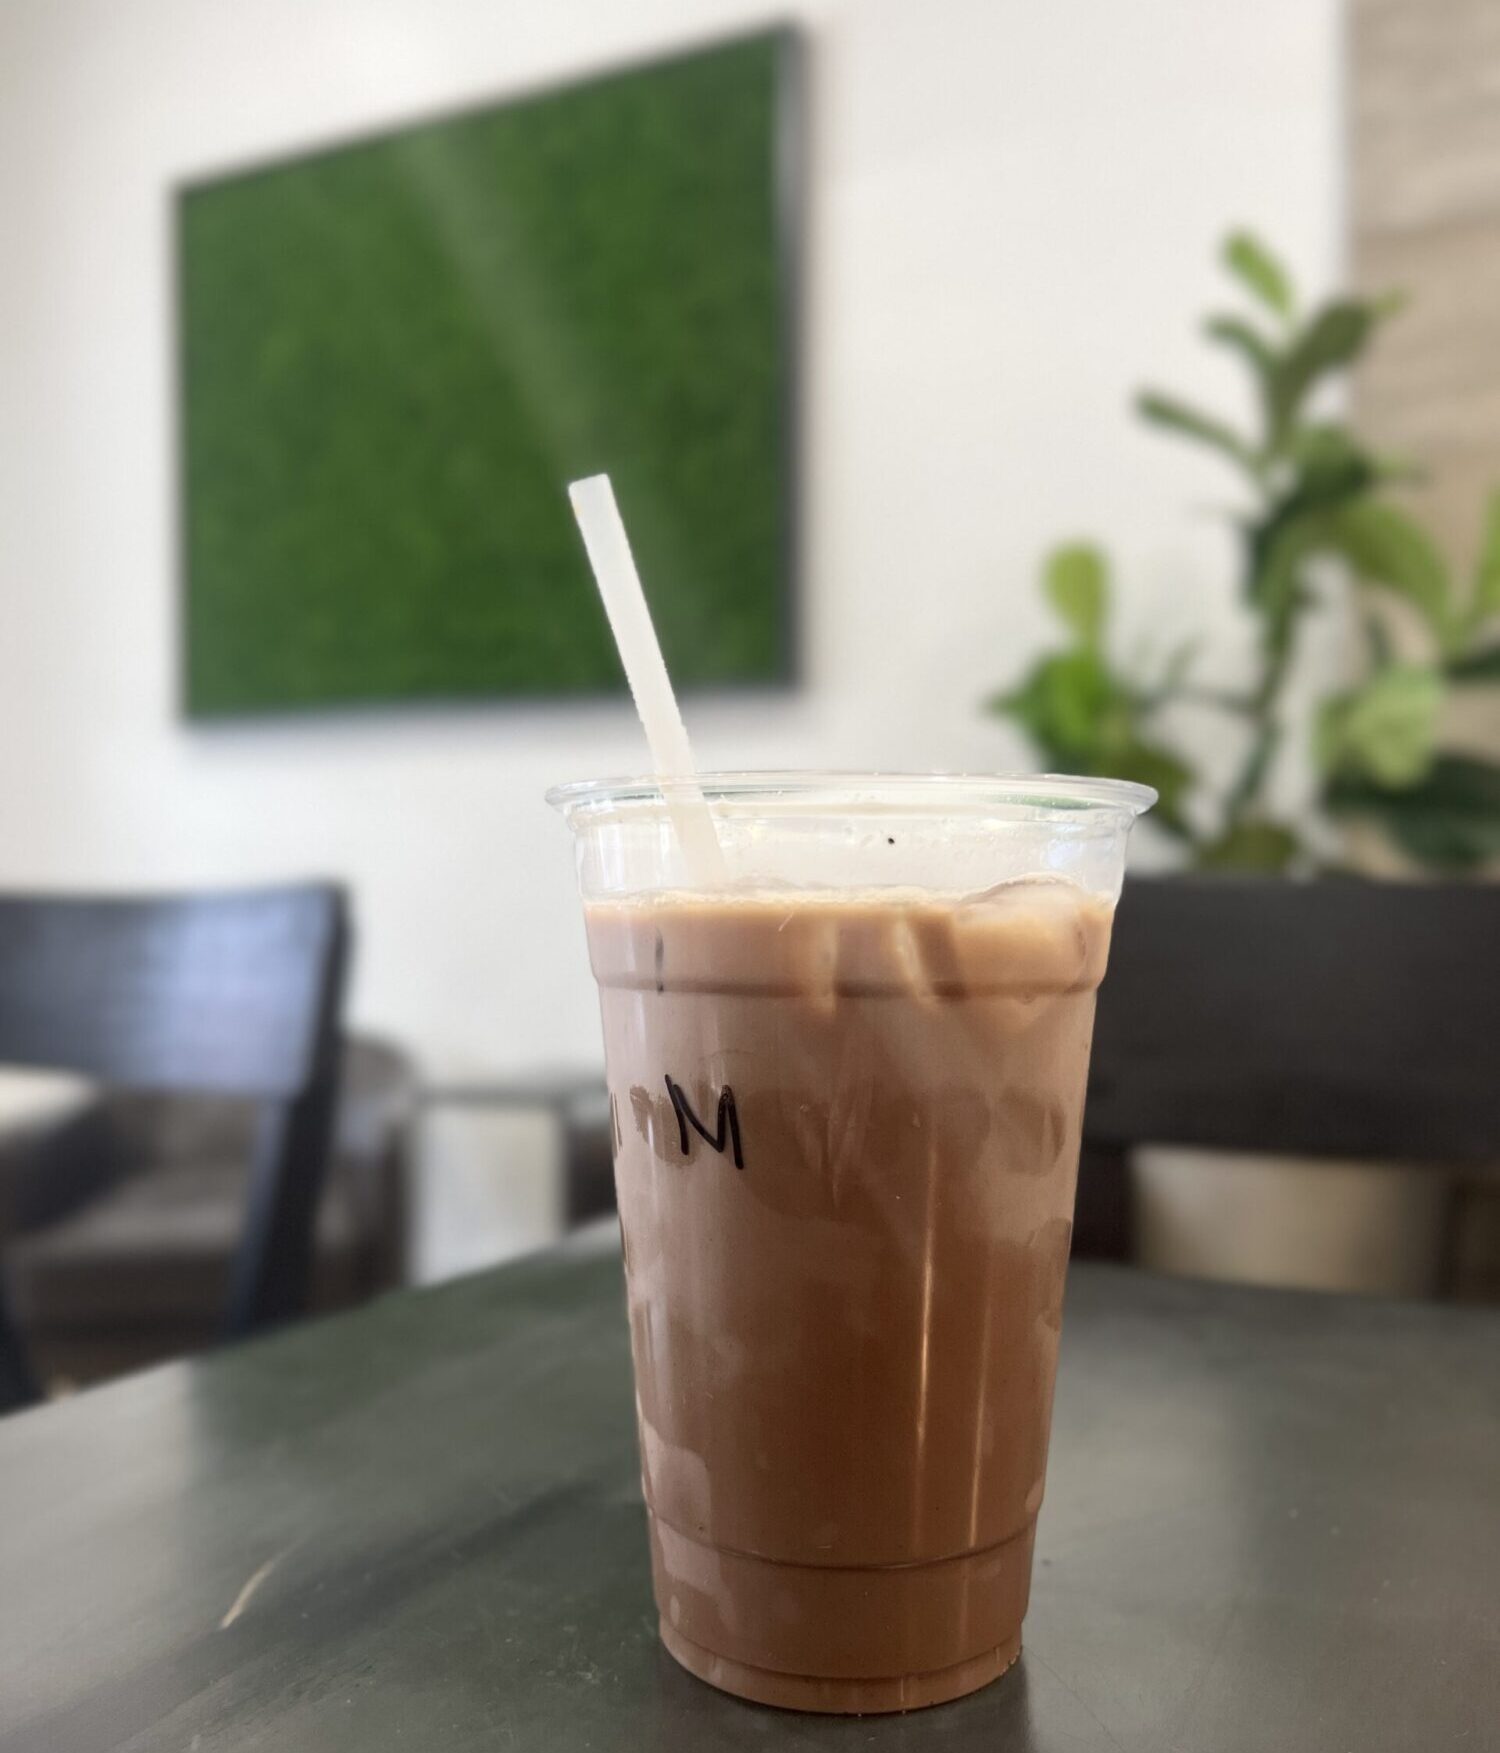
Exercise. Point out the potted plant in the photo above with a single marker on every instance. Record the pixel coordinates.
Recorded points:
(1317, 520)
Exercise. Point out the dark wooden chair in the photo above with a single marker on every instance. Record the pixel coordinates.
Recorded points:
(234, 993)
(1337, 1019)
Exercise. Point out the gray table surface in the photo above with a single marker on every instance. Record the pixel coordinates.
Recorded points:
(1272, 1521)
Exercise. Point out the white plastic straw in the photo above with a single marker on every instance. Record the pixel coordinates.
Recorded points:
(630, 621)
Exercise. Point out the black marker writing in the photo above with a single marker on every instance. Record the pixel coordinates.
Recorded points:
(727, 1129)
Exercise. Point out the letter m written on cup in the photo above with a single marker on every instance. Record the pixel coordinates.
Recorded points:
(727, 1124)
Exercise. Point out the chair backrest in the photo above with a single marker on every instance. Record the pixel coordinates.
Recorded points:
(1337, 1018)
(227, 993)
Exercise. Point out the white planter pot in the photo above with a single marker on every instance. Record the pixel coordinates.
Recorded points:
(1372, 1227)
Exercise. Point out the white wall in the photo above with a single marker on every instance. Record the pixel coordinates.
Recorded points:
(1013, 206)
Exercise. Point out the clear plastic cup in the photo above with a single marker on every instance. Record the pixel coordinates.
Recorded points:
(846, 1092)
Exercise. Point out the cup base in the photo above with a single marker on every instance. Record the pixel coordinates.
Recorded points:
(841, 1638)
(844, 1697)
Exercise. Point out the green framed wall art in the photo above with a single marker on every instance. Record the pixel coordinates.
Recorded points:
(394, 355)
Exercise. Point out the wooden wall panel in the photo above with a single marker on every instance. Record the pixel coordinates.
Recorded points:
(1424, 181)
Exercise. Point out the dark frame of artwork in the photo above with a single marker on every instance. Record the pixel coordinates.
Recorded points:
(724, 626)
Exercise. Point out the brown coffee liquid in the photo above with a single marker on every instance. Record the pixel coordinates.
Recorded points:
(847, 1134)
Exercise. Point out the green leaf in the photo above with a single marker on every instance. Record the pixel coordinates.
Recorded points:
(1084, 720)
(1178, 417)
(1335, 337)
(1331, 470)
(1384, 730)
(1078, 692)
(1450, 821)
(1151, 764)
(1383, 546)
(1062, 705)
(1247, 341)
(1330, 465)
(1487, 580)
(1404, 471)
(1077, 585)
(1257, 846)
(1387, 548)
(1482, 665)
(1248, 258)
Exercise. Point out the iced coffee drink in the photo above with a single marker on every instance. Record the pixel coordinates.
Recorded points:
(846, 1128)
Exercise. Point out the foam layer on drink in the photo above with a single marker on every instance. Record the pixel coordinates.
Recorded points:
(846, 1133)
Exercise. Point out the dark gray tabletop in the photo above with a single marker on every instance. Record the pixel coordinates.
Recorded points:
(1272, 1521)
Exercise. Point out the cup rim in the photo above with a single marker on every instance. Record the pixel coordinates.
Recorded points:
(1061, 794)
